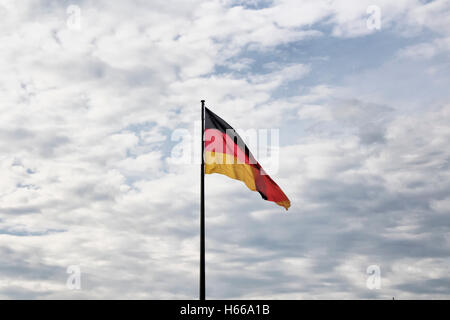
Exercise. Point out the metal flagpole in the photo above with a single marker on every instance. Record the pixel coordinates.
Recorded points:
(202, 210)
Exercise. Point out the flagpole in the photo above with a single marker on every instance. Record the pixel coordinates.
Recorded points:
(202, 210)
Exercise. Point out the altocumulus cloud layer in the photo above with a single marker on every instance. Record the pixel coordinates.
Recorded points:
(88, 178)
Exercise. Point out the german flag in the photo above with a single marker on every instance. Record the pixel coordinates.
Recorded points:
(227, 154)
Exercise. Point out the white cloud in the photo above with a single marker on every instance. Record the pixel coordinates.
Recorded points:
(84, 143)
(427, 50)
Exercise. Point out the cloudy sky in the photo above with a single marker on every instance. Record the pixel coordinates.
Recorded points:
(93, 92)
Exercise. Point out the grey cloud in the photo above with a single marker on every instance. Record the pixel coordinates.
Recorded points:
(20, 210)
(367, 180)
(439, 286)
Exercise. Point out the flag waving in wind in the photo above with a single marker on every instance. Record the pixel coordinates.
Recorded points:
(227, 154)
